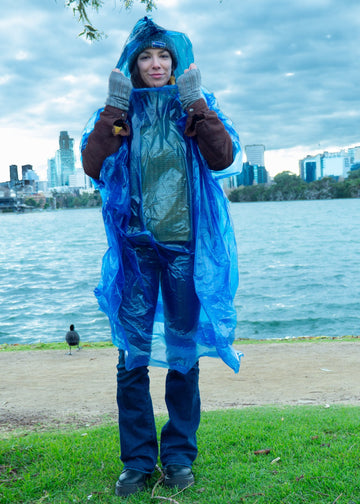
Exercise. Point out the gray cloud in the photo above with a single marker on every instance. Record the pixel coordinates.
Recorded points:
(285, 72)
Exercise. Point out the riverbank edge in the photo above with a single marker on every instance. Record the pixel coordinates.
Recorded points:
(18, 347)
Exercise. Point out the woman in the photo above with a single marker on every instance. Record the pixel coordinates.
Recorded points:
(170, 274)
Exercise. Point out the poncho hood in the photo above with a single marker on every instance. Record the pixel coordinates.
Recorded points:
(146, 30)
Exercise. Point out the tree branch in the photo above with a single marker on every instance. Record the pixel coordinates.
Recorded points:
(81, 10)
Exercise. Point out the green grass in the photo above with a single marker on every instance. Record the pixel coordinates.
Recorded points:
(313, 458)
(297, 339)
(15, 347)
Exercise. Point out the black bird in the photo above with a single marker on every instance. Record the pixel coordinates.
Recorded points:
(72, 338)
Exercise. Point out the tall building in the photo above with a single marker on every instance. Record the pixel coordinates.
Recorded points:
(14, 174)
(65, 159)
(260, 175)
(79, 179)
(354, 153)
(255, 154)
(246, 177)
(24, 171)
(52, 176)
(30, 179)
(252, 175)
(311, 168)
(253, 170)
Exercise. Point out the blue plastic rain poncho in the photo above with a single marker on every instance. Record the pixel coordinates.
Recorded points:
(159, 193)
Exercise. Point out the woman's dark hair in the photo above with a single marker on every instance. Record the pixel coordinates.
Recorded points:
(136, 79)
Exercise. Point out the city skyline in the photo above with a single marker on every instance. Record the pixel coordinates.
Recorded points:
(61, 169)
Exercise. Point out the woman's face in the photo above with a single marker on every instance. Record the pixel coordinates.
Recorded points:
(155, 67)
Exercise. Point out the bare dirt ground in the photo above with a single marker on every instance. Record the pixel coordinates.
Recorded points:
(39, 389)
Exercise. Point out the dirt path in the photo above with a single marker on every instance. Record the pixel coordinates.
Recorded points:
(42, 387)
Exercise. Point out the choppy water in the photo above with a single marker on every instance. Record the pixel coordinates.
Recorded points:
(299, 265)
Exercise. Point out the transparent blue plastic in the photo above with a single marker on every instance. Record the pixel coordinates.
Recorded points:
(213, 247)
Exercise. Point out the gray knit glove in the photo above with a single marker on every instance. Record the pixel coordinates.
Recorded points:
(189, 84)
(119, 91)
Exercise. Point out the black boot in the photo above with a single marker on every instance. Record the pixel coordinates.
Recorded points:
(178, 476)
(130, 481)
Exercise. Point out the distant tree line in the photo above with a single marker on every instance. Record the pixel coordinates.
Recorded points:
(288, 186)
(84, 200)
(66, 200)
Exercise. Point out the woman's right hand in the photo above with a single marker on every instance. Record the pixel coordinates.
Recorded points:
(120, 88)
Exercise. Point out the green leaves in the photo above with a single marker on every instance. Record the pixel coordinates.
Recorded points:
(81, 10)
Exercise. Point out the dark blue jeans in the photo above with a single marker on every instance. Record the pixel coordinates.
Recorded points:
(138, 437)
(145, 270)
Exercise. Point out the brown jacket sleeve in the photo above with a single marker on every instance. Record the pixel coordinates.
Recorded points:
(104, 140)
(214, 141)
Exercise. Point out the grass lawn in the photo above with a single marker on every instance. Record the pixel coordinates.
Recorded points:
(16, 347)
(262, 455)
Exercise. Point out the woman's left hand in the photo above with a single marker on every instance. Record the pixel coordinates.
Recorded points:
(191, 67)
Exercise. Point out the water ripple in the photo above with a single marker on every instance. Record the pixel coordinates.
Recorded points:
(299, 266)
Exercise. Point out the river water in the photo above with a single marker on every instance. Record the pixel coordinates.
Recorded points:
(299, 269)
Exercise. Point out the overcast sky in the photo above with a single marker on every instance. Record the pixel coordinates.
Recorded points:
(285, 71)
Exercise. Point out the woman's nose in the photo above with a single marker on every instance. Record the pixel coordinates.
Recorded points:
(156, 62)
